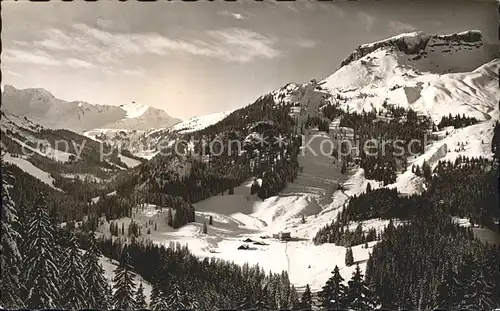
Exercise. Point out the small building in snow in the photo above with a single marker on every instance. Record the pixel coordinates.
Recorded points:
(284, 236)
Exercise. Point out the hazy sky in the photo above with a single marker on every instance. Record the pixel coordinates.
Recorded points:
(197, 58)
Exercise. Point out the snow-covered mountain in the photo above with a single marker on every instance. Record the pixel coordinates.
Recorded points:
(431, 74)
(44, 108)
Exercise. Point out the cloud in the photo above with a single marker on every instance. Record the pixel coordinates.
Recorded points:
(100, 46)
(367, 20)
(11, 73)
(233, 15)
(38, 57)
(134, 72)
(400, 27)
(308, 44)
(314, 6)
(240, 45)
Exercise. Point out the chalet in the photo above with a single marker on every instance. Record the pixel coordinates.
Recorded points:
(260, 243)
(284, 236)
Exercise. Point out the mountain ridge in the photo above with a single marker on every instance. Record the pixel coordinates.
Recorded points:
(415, 42)
(43, 107)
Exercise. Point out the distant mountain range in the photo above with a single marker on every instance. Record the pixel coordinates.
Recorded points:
(42, 107)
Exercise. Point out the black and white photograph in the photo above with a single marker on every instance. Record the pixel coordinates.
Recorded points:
(250, 155)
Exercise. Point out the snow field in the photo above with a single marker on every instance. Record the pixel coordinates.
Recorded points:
(199, 123)
(29, 168)
(109, 267)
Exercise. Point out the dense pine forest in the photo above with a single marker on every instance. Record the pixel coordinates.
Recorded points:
(395, 130)
(427, 261)
(43, 265)
(457, 121)
(433, 263)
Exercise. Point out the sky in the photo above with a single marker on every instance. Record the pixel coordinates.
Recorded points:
(197, 58)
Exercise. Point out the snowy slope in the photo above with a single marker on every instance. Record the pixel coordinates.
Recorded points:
(431, 74)
(200, 122)
(129, 161)
(47, 152)
(29, 168)
(455, 52)
(473, 94)
(49, 111)
(134, 110)
(109, 267)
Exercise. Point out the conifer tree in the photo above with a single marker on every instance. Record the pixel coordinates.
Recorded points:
(10, 257)
(175, 299)
(495, 142)
(333, 294)
(343, 170)
(211, 221)
(140, 298)
(97, 285)
(478, 295)
(157, 300)
(205, 229)
(417, 171)
(426, 171)
(349, 258)
(155, 295)
(40, 270)
(123, 297)
(246, 303)
(306, 299)
(294, 299)
(446, 289)
(358, 294)
(263, 301)
(170, 218)
(73, 289)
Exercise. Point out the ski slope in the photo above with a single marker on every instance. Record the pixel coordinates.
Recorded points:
(29, 168)
(200, 122)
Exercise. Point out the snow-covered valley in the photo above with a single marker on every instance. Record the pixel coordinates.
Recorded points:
(429, 78)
